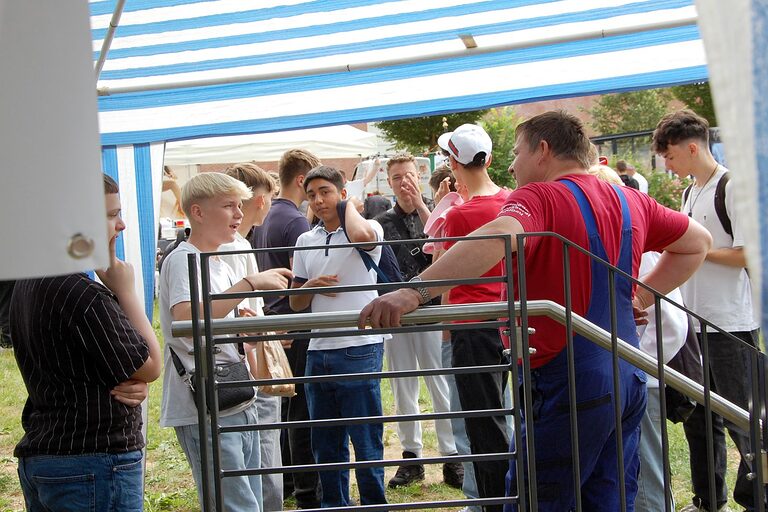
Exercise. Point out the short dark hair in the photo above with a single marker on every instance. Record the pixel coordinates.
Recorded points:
(442, 172)
(677, 127)
(324, 172)
(295, 162)
(621, 166)
(563, 132)
(110, 186)
(401, 158)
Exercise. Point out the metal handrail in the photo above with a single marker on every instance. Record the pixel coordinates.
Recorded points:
(433, 314)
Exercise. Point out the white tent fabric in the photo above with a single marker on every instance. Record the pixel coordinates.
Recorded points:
(737, 45)
(329, 142)
(138, 171)
(286, 64)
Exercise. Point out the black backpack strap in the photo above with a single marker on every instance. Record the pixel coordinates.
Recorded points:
(341, 208)
(720, 208)
(686, 193)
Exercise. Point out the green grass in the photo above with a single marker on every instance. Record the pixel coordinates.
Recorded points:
(169, 485)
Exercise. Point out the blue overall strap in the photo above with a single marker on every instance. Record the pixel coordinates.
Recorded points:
(599, 311)
(625, 255)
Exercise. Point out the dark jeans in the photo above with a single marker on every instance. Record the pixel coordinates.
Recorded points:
(730, 377)
(95, 482)
(306, 485)
(482, 347)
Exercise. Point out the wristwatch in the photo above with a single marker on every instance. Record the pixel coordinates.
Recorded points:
(425, 296)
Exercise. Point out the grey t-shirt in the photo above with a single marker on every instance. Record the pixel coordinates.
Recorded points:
(178, 406)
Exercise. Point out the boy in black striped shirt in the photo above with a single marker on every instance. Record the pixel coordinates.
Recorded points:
(86, 352)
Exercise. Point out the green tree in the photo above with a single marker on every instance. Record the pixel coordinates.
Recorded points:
(630, 111)
(500, 124)
(419, 134)
(697, 97)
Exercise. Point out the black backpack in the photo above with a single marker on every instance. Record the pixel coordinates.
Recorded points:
(720, 209)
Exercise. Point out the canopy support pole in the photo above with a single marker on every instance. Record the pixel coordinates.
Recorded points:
(113, 23)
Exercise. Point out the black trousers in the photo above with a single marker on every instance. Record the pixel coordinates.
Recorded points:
(730, 377)
(306, 486)
(481, 347)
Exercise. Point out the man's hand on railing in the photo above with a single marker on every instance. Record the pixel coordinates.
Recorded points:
(385, 311)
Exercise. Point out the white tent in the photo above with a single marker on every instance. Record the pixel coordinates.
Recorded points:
(330, 142)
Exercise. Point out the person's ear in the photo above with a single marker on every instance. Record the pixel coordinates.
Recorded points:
(196, 212)
(489, 161)
(343, 193)
(300, 180)
(259, 201)
(693, 148)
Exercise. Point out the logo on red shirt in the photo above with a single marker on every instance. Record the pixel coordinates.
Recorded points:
(515, 209)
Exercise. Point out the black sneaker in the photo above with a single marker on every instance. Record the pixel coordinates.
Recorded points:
(453, 474)
(406, 475)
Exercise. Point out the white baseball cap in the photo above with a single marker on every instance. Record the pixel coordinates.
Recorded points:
(465, 142)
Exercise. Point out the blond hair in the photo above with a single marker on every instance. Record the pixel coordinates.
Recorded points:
(254, 177)
(605, 173)
(208, 185)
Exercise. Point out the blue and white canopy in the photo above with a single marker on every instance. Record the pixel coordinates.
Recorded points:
(271, 65)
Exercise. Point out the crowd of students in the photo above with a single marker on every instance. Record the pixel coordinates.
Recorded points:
(87, 365)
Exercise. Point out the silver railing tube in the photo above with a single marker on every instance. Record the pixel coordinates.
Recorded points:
(433, 314)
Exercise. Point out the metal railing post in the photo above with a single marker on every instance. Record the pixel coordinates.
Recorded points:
(209, 378)
(530, 446)
(662, 405)
(200, 367)
(573, 410)
(617, 408)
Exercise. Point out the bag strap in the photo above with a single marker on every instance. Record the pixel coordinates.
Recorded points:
(341, 209)
(414, 250)
(720, 208)
(185, 376)
(686, 193)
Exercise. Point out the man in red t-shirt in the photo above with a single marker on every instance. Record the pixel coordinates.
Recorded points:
(469, 152)
(556, 194)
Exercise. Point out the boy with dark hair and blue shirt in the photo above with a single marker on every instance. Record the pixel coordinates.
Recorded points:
(86, 352)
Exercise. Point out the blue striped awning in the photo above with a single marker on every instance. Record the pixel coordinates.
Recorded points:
(270, 65)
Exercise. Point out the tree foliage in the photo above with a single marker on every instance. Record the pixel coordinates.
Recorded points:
(419, 134)
(697, 97)
(500, 124)
(630, 111)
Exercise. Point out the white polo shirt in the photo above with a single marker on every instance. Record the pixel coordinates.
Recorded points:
(345, 263)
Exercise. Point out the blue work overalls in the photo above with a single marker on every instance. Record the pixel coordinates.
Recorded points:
(594, 396)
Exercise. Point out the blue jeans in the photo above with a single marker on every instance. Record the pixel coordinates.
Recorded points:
(101, 482)
(650, 483)
(347, 399)
(239, 450)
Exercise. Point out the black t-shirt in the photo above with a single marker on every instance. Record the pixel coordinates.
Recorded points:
(399, 225)
(73, 344)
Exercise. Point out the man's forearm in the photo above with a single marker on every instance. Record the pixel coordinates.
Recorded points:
(729, 256)
(358, 229)
(472, 258)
